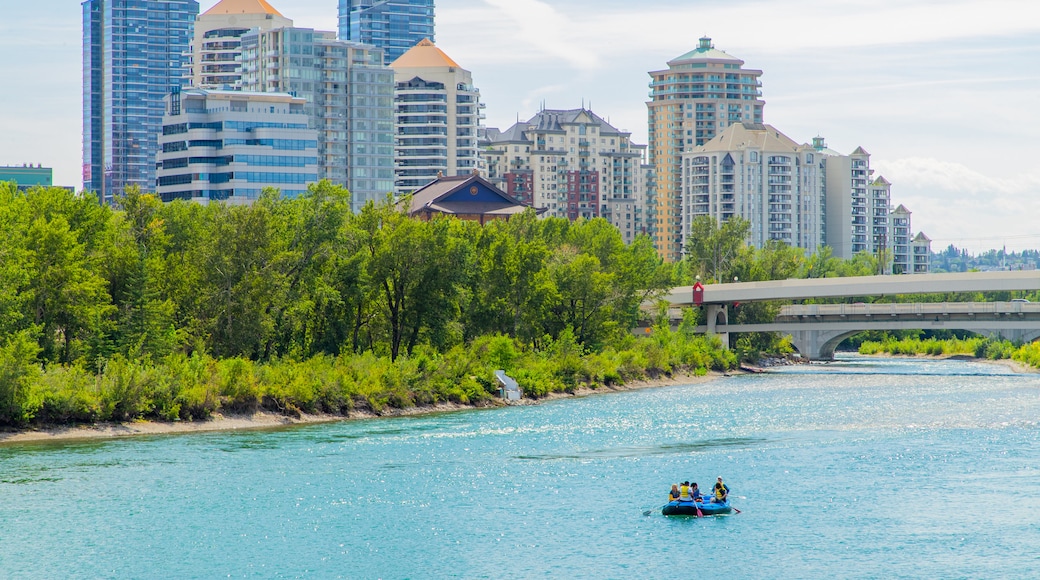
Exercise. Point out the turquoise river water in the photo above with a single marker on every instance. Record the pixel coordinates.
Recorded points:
(861, 468)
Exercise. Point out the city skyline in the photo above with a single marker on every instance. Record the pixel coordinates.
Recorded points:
(944, 107)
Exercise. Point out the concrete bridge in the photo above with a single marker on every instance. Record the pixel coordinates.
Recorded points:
(816, 329)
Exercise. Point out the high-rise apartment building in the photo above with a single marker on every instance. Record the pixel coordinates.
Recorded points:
(349, 96)
(755, 172)
(700, 94)
(858, 205)
(217, 44)
(230, 145)
(900, 240)
(573, 164)
(133, 56)
(922, 250)
(393, 25)
(437, 116)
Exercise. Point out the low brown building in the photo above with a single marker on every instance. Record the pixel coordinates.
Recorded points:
(468, 197)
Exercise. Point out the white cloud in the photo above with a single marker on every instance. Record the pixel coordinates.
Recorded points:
(520, 31)
(955, 204)
(925, 173)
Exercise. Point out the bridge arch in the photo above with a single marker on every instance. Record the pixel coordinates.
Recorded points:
(819, 344)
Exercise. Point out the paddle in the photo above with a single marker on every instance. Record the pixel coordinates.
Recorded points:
(648, 512)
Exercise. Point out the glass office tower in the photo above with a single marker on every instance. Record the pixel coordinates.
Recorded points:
(393, 25)
(133, 55)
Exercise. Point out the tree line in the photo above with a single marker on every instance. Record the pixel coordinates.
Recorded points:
(179, 310)
(176, 310)
(302, 277)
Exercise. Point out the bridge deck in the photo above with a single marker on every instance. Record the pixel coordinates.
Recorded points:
(803, 289)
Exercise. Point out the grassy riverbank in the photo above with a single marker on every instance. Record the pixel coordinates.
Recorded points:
(264, 420)
(183, 389)
(976, 347)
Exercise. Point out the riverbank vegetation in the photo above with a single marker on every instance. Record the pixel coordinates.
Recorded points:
(976, 346)
(177, 311)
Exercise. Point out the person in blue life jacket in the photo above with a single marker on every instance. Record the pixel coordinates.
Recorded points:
(720, 492)
(695, 492)
(673, 495)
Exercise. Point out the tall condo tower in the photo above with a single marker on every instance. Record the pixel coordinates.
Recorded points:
(218, 40)
(393, 25)
(700, 94)
(349, 101)
(133, 56)
(437, 117)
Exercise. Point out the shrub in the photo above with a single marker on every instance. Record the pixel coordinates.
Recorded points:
(19, 371)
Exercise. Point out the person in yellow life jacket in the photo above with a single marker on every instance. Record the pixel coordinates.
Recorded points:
(721, 492)
(684, 492)
(674, 494)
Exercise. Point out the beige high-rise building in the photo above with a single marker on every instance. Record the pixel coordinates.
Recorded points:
(217, 44)
(755, 172)
(858, 205)
(899, 242)
(922, 249)
(700, 94)
(437, 118)
(574, 164)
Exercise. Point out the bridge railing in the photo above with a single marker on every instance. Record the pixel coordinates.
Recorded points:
(909, 309)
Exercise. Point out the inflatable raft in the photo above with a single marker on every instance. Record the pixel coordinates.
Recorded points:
(689, 508)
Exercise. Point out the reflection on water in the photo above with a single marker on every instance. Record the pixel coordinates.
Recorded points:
(650, 450)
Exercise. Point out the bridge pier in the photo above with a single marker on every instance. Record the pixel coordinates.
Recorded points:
(718, 316)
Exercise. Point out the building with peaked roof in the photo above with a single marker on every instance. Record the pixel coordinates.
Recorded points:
(133, 56)
(349, 95)
(437, 114)
(468, 197)
(217, 44)
(858, 205)
(700, 94)
(922, 249)
(574, 164)
(393, 25)
(899, 241)
(755, 172)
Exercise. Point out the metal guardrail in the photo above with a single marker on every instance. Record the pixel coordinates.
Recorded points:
(908, 309)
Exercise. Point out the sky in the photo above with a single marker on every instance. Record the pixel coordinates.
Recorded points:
(944, 94)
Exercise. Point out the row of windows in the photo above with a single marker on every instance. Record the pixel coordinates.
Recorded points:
(259, 160)
(279, 144)
(248, 176)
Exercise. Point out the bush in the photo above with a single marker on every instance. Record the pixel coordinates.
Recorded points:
(19, 372)
(181, 387)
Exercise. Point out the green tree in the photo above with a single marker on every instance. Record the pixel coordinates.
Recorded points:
(712, 248)
(69, 300)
